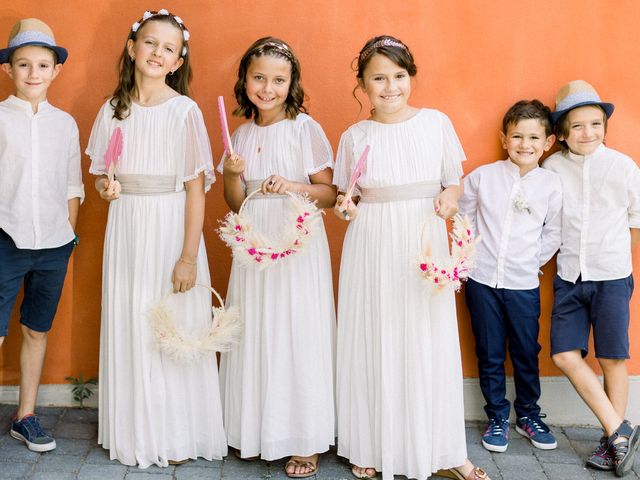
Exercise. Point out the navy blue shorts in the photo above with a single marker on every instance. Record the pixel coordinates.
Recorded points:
(42, 272)
(603, 305)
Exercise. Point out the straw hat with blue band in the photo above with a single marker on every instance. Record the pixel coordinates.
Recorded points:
(31, 31)
(577, 93)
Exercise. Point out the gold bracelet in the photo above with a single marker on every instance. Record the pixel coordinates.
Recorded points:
(188, 263)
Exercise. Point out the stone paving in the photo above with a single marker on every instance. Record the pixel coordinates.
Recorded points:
(79, 457)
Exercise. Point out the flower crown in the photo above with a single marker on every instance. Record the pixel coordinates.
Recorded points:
(148, 14)
(385, 42)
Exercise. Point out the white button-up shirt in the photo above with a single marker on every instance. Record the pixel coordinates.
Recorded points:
(39, 173)
(601, 203)
(518, 220)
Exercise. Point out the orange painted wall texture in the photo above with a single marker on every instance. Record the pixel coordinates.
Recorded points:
(475, 58)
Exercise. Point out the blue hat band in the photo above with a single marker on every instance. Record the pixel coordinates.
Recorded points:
(31, 37)
(577, 98)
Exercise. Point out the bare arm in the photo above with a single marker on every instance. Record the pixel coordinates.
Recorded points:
(321, 188)
(635, 238)
(234, 193)
(184, 272)
(73, 204)
(446, 203)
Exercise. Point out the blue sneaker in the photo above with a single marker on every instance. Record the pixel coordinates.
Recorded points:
(29, 431)
(537, 432)
(496, 437)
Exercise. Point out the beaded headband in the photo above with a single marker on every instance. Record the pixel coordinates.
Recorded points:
(385, 42)
(147, 15)
(280, 48)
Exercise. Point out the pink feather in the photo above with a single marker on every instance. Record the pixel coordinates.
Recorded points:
(357, 171)
(114, 150)
(226, 138)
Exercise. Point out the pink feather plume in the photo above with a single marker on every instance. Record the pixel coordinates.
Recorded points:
(226, 138)
(357, 171)
(114, 150)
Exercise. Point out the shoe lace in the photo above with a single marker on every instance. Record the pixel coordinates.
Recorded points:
(495, 427)
(33, 426)
(536, 423)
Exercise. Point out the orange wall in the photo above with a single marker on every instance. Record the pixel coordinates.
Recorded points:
(475, 58)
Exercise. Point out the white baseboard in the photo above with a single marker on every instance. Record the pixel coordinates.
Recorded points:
(559, 400)
(49, 396)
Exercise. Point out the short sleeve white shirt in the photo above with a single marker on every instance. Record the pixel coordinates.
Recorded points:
(601, 203)
(39, 172)
(518, 220)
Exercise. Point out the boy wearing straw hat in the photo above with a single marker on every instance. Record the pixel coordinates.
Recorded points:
(40, 193)
(600, 220)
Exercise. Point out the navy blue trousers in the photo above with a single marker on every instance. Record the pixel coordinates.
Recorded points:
(506, 319)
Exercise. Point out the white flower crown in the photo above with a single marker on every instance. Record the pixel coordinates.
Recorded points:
(147, 15)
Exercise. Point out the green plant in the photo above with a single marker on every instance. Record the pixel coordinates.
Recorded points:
(80, 388)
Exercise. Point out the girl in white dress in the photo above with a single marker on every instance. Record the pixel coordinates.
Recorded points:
(153, 410)
(278, 383)
(399, 375)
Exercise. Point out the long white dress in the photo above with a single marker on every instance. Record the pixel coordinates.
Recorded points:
(278, 384)
(152, 409)
(399, 376)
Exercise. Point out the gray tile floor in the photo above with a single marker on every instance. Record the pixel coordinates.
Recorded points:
(79, 457)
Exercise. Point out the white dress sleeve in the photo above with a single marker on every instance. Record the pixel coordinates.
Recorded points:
(344, 163)
(452, 154)
(316, 149)
(99, 140)
(198, 157)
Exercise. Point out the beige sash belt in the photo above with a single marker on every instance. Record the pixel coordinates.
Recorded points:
(134, 184)
(253, 185)
(397, 193)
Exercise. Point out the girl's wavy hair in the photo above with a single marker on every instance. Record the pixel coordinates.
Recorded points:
(123, 94)
(392, 48)
(276, 48)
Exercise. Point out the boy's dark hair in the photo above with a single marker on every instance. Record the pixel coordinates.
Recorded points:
(179, 81)
(276, 48)
(528, 109)
(561, 128)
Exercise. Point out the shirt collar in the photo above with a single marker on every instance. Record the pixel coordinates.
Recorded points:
(24, 105)
(575, 156)
(515, 169)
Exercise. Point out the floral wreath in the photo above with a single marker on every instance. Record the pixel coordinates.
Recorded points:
(163, 11)
(453, 270)
(185, 347)
(252, 249)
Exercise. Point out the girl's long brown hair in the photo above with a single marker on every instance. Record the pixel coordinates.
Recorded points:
(179, 81)
(277, 48)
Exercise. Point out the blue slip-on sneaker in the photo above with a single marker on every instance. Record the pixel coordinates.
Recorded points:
(536, 431)
(496, 437)
(29, 431)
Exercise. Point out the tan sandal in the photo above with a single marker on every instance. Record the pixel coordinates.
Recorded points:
(293, 462)
(476, 474)
(363, 475)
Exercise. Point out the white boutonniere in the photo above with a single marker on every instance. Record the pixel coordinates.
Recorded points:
(520, 203)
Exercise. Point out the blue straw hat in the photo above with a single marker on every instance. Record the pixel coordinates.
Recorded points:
(577, 93)
(31, 31)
